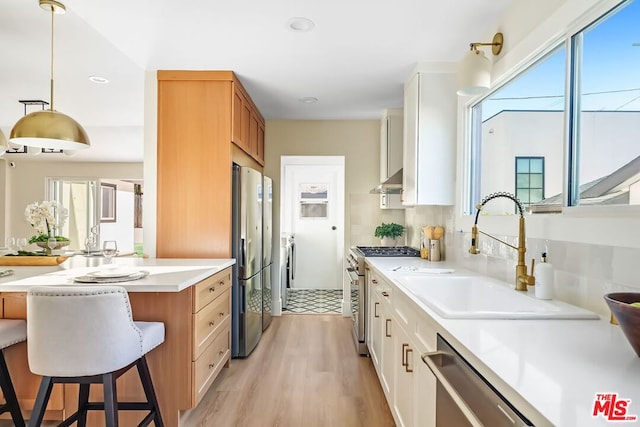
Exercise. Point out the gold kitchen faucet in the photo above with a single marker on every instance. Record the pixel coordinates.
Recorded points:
(522, 278)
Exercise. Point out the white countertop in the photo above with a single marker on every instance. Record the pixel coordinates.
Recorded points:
(165, 275)
(558, 366)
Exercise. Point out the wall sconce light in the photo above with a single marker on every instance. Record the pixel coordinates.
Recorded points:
(474, 76)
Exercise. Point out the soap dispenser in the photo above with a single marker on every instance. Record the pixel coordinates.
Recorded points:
(544, 279)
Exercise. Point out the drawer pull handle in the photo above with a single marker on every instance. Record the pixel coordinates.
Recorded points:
(212, 365)
(221, 314)
(375, 309)
(406, 367)
(221, 283)
(221, 352)
(385, 294)
(405, 362)
(386, 328)
(212, 323)
(212, 289)
(374, 281)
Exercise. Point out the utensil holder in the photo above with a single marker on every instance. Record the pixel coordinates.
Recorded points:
(434, 250)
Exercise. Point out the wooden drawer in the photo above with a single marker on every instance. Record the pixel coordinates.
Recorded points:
(209, 321)
(210, 288)
(210, 363)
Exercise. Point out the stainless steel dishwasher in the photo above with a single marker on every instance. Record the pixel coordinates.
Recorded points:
(464, 397)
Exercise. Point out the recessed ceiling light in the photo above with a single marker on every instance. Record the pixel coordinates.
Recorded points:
(308, 100)
(300, 24)
(99, 80)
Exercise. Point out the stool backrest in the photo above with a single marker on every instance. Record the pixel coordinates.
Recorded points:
(80, 330)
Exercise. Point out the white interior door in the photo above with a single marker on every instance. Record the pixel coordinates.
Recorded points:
(313, 210)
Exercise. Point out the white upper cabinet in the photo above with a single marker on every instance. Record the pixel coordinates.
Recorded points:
(430, 104)
(391, 129)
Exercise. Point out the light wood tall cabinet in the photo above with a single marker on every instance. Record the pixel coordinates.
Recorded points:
(201, 115)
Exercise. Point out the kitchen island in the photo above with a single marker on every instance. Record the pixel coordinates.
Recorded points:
(191, 297)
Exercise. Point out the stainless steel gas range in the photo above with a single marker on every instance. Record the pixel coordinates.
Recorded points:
(355, 274)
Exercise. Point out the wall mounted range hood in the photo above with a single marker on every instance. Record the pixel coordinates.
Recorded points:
(393, 185)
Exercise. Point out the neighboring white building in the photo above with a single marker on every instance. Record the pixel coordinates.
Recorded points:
(609, 141)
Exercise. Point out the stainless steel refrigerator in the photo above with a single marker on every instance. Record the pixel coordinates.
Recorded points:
(247, 248)
(267, 256)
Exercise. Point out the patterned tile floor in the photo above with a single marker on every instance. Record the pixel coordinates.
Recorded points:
(314, 301)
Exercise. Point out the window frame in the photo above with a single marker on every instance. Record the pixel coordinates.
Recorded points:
(572, 40)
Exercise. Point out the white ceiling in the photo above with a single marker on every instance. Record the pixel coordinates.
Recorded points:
(354, 61)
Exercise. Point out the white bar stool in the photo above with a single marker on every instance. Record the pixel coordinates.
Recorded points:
(86, 335)
(11, 332)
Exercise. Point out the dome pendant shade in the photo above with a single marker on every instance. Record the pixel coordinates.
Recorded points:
(474, 76)
(49, 129)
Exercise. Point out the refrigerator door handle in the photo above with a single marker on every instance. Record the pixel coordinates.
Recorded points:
(242, 296)
(243, 254)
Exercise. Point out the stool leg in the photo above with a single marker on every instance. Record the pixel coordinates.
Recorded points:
(10, 393)
(147, 385)
(41, 402)
(110, 400)
(83, 399)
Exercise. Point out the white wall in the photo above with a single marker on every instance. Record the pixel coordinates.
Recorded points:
(27, 181)
(359, 142)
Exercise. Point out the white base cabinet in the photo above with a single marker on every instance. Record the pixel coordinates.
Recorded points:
(398, 336)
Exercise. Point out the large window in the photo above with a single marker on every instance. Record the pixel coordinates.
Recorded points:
(522, 119)
(606, 64)
(599, 126)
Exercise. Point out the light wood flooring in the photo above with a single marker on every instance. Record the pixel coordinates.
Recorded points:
(304, 372)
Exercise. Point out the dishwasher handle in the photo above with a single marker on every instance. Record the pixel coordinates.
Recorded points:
(427, 358)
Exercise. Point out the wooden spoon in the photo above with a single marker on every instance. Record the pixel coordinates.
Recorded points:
(438, 232)
(428, 232)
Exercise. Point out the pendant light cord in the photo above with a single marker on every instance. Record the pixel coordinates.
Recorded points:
(51, 69)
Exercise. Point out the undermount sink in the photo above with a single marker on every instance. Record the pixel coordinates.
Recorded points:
(462, 297)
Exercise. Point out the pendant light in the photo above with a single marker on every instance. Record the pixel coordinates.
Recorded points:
(50, 128)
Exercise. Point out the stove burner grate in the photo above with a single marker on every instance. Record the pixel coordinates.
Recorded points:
(388, 251)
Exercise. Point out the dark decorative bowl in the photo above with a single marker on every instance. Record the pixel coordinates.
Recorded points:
(628, 316)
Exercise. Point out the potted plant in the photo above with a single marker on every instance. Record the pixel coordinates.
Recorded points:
(47, 218)
(389, 233)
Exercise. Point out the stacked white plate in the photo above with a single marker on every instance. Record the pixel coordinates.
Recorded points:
(112, 275)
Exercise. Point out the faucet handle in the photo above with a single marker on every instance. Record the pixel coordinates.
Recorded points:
(474, 241)
(533, 262)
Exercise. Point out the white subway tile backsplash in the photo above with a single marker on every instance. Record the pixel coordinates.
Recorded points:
(365, 215)
(625, 267)
(583, 272)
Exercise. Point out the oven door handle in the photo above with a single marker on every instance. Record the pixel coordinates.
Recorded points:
(427, 358)
(353, 274)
